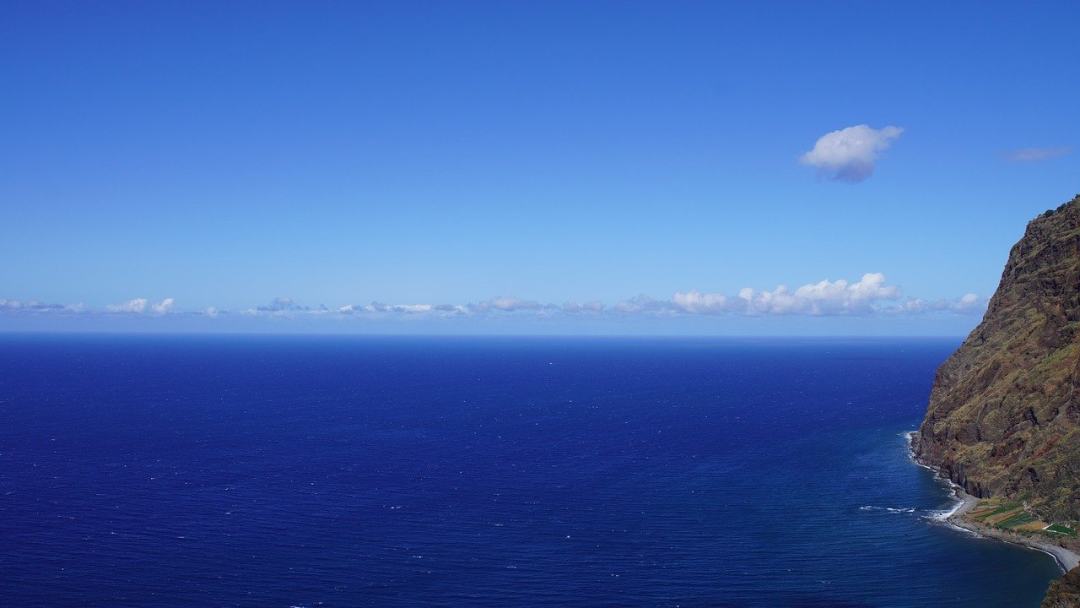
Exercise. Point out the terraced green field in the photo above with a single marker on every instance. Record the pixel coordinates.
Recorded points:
(1011, 515)
(1061, 529)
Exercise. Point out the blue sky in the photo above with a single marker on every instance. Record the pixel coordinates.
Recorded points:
(495, 161)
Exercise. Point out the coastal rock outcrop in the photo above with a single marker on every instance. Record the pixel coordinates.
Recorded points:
(1064, 592)
(1004, 412)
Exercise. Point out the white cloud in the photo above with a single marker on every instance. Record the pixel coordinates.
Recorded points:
(450, 309)
(585, 307)
(850, 154)
(701, 303)
(134, 306)
(138, 306)
(411, 309)
(968, 303)
(870, 295)
(839, 297)
(281, 305)
(164, 306)
(644, 304)
(1033, 155)
(504, 304)
(35, 306)
(381, 308)
(285, 307)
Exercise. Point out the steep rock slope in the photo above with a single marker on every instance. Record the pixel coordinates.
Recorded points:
(1004, 413)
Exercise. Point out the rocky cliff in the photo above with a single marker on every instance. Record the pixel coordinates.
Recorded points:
(1064, 592)
(1004, 413)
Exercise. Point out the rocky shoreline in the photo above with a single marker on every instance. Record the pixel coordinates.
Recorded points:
(1066, 558)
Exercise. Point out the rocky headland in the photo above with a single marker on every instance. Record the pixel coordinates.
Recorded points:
(1003, 421)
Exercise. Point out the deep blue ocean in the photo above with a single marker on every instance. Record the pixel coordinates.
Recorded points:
(319, 471)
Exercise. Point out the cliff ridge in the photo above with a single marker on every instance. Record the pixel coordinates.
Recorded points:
(1004, 412)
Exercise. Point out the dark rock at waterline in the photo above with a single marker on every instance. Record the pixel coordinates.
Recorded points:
(1064, 592)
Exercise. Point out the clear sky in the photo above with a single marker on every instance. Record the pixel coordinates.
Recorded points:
(473, 167)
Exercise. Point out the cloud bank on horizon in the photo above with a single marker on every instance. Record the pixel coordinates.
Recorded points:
(850, 154)
(869, 296)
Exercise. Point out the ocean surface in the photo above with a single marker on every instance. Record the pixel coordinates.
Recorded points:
(318, 471)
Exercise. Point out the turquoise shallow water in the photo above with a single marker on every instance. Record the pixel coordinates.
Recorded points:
(170, 471)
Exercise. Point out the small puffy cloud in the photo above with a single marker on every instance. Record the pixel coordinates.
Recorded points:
(1034, 155)
(134, 306)
(968, 303)
(839, 297)
(163, 307)
(850, 154)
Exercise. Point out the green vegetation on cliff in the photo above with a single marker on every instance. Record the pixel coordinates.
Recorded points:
(1004, 413)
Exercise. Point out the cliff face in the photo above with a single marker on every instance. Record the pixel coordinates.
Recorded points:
(1004, 413)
